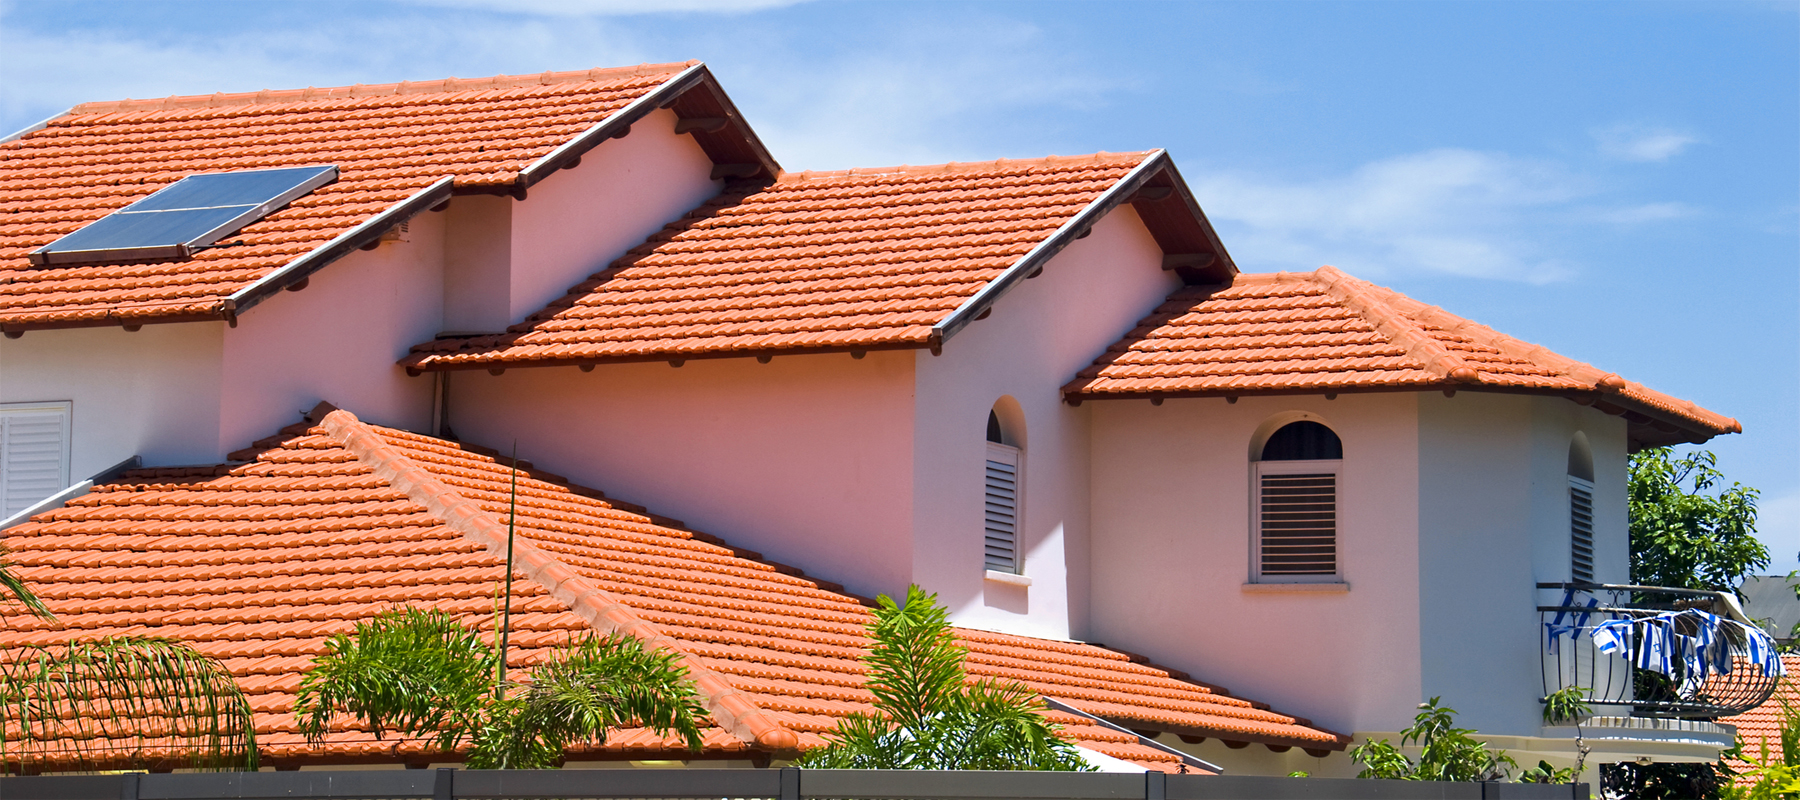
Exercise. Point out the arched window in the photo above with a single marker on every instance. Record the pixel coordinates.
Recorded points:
(1296, 504)
(1004, 487)
(1581, 510)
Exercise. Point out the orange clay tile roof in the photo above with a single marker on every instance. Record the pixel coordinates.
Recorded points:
(816, 261)
(257, 563)
(1764, 721)
(1325, 331)
(389, 143)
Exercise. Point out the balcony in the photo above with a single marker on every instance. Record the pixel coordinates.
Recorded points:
(1654, 652)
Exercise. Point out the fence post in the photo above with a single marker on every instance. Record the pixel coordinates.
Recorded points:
(445, 787)
(128, 786)
(790, 783)
(1155, 785)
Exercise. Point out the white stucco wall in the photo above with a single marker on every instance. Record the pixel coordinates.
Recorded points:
(1037, 338)
(1171, 556)
(806, 459)
(1494, 521)
(576, 222)
(154, 392)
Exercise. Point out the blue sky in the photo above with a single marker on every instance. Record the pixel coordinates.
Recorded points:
(1618, 181)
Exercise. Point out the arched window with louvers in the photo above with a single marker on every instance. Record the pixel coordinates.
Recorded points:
(1004, 489)
(1297, 474)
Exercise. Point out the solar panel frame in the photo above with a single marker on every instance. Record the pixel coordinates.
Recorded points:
(184, 216)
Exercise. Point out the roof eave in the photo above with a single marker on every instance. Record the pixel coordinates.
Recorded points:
(1648, 426)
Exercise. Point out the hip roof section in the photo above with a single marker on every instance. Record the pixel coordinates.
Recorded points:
(390, 143)
(865, 259)
(258, 563)
(1325, 331)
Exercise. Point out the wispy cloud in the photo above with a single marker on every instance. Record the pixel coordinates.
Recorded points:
(1649, 212)
(1631, 142)
(1446, 211)
(592, 8)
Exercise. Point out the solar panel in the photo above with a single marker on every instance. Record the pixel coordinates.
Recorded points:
(184, 216)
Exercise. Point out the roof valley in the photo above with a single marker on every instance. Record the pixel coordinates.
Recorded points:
(730, 708)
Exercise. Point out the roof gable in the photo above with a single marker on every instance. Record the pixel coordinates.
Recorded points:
(257, 563)
(400, 149)
(866, 259)
(1325, 331)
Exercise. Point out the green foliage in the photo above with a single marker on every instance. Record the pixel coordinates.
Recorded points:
(1664, 781)
(1770, 778)
(1683, 534)
(423, 673)
(123, 703)
(1544, 773)
(928, 716)
(1447, 753)
(1568, 704)
(21, 593)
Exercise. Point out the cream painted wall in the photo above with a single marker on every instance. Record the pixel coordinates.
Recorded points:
(338, 340)
(576, 222)
(1494, 521)
(805, 459)
(1171, 556)
(1036, 339)
(154, 392)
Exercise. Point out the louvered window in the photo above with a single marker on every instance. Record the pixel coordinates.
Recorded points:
(1003, 491)
(1296, 505)
(1581, 529)
(34, 453)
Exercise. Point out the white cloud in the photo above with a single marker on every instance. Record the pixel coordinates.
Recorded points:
(586, 8)
(1629, 142)
(1445, 211)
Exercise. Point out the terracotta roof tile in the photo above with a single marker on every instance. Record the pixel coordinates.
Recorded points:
(388, 142)
(1761, 726)
(257, 563)
(861, 259)
(1326, 331)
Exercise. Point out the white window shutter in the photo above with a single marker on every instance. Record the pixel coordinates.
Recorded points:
(34, 453)
(1581, 530)
(1002, 516)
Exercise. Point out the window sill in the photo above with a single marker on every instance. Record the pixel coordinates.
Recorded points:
(1334, 587)
(1007, 578)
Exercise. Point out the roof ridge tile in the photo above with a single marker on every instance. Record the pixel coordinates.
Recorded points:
(730, 708)
(1402, 330)
(953, 167)
(360, 90)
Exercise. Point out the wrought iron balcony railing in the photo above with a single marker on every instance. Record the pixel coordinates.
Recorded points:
(1655, 651)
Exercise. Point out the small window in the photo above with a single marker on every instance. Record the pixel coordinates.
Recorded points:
(34, 453)
(1296, 504)
(1003, 489)
(1581, 510)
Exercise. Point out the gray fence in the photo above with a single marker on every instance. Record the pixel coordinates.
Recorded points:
(747, 784)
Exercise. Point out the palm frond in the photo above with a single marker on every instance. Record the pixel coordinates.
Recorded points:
(609, 682)
(22, 594)
(408, 670)
(123, 702)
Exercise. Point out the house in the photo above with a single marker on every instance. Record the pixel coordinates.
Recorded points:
(1770, 600)
(1041, 388)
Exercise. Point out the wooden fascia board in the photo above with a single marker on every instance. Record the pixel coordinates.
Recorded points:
(1047, 249)
(415, 368)
(348, 242)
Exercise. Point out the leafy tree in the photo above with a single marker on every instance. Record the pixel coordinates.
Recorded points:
(424, 673)
(1684, 534)
(928, 716)
(1447, 753)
